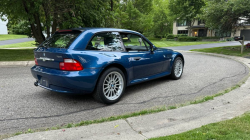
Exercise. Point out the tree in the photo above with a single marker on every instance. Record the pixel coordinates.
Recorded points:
(19, 27)
(40, 14)
(134, 15)
(186, 10)
(163, 24)
(47, 15)
(226, 16)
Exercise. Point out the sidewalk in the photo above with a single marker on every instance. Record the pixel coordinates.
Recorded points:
(164, 123)
(17, 63)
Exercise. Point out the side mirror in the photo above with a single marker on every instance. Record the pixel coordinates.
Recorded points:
(152, 48)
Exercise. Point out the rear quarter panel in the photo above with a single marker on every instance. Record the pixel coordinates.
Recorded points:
(101, 60)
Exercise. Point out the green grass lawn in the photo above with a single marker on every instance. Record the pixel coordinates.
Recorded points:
(164, 43)
(234, 129)
(11, 36)
(19, 45)
(227, 50)
(16, 54)
(178, 43)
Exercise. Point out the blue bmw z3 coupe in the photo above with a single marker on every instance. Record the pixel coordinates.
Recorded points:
(101, 61)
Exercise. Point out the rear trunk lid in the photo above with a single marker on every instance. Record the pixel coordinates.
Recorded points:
(55, 49)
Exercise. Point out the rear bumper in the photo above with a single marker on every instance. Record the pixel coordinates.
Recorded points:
(66, 81)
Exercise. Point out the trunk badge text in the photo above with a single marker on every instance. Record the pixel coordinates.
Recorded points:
(45, 59)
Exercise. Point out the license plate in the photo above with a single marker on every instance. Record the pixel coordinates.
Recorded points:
(44, 82)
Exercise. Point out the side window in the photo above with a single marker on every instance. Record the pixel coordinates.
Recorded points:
(147, 44)
(134, 42)
(108, 41)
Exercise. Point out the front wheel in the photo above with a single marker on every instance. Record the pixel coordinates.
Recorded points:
(177, 69)
(110, 86)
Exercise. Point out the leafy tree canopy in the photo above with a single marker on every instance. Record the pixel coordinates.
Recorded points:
(225, 16)
(45, 16)
(185, 9)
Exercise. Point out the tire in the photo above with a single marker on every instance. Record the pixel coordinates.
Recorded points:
(177, 68)
(110, 87)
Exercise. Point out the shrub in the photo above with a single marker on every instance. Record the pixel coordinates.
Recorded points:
(210, 37)
(179, 35)
(230, 39)
(187, 38)
(158, 36)
(170, 36)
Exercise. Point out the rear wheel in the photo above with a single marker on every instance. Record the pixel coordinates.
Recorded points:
(110, 86)
(177, 69)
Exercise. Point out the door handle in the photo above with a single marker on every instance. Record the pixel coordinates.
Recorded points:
(137, 58)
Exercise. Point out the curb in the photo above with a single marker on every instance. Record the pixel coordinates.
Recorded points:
(164, 123)
(17, 63)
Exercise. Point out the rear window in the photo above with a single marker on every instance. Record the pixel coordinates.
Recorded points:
(60, 40)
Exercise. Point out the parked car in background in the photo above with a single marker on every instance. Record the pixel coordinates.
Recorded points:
(237, 38)
(101, 61)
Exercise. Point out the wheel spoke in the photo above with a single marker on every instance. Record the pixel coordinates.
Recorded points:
(114, 77)
(106, 92)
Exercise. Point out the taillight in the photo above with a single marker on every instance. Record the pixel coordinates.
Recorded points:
(36, 61)
(71, 65)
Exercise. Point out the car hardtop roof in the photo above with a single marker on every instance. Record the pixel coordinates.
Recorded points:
(95, 30)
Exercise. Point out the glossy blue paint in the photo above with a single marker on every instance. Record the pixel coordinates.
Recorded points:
(151, 65)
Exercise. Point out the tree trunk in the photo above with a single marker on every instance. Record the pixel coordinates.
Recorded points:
(54, 25)
(111, 5)
(190, 27)
(36, 29)
(47, 17)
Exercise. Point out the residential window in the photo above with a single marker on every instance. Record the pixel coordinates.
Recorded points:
(200, 21)
(183, 23)
(183, 32)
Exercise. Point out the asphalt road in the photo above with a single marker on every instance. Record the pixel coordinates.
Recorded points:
(24, 106)
(13, 41)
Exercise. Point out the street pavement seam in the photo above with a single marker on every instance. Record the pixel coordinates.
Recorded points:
(135, 130)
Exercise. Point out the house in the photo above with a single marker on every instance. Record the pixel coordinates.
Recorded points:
(3, 27)
(199, 30)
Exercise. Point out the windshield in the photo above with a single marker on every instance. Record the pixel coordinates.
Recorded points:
(60, 40)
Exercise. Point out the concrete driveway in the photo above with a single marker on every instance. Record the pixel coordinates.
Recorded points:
(23, 106)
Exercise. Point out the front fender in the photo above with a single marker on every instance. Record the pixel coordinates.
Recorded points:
(175, 55)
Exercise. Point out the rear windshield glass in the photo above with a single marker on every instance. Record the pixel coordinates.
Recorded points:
(60, 40)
